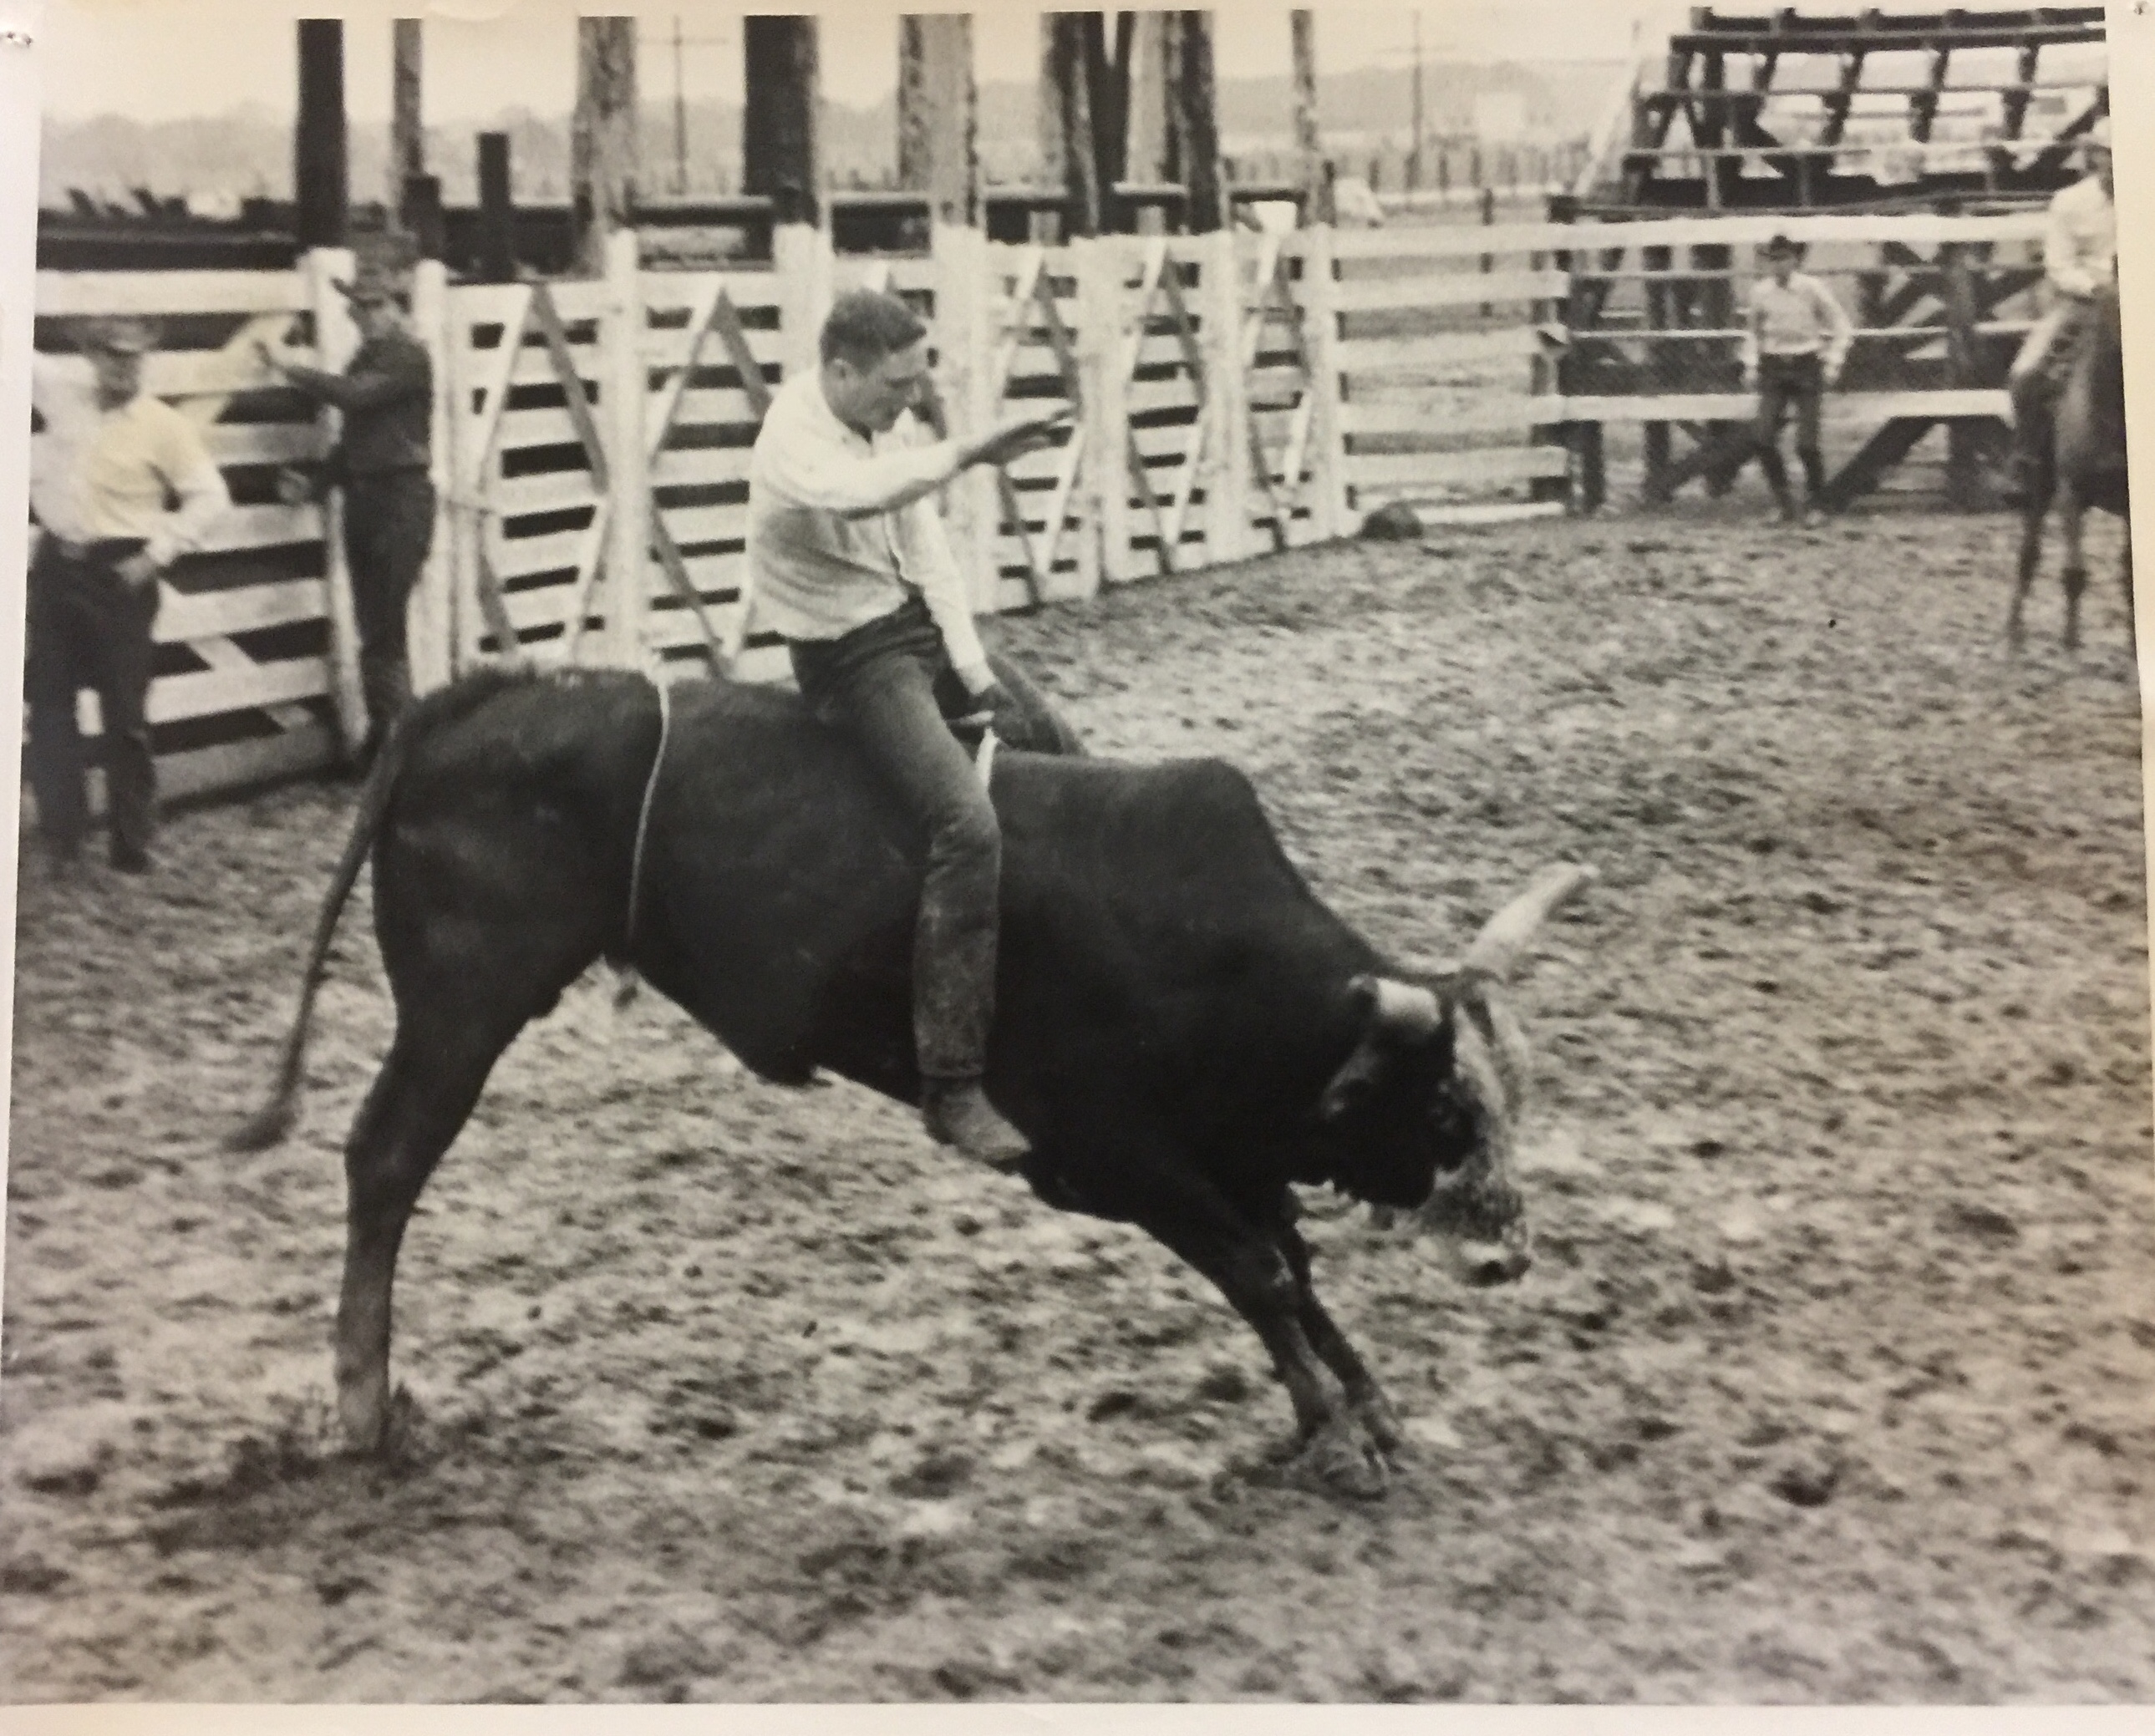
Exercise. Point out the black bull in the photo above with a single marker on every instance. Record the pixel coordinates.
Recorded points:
(1183, 1030)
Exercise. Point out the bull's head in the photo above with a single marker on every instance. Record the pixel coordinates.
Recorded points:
(1431, 1099)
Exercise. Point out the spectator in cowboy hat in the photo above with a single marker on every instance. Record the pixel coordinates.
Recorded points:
(382, 463)
(109, 462)
(1796, 338)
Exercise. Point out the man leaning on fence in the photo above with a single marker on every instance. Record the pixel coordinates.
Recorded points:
(386, 394)
(2079, 264)
(848, 561)
(121, 486)
(1796, 338)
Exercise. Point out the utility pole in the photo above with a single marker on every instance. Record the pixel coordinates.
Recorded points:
(680, 116)
(1414, 156)
(603, 166)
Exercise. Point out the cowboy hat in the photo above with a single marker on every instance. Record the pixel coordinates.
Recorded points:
(118, 334)
(370, 286)
(1784, 246)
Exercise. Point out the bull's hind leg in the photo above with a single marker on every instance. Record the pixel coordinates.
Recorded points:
(478, 941)
(418, 1105)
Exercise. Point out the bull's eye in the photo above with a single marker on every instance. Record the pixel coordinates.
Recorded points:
(1454, 1128)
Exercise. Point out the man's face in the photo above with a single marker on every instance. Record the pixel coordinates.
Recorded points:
(119, 375)
(2098, 162)
(872, 398)
(372, 318)
(1783, 267)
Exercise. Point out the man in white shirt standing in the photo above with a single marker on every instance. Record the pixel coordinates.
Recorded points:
(2079, 263)
(109, 460)
(848, 561)
(1795, 341)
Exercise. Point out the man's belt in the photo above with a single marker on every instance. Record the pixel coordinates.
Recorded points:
(99, 551)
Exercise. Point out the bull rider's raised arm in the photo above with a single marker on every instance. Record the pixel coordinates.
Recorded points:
(848, 563)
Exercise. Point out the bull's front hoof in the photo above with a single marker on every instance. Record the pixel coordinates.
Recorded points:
(1381, 1422)
(1339, 1460)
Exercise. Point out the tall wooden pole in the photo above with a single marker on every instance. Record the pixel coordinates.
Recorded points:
(1193, 122)
(603, 142)
(408, 135)
(321, 177)
(938, 115)
(496, 211)
(781, 121)
(1308, 142)
(1068, 159)
(1149, 153)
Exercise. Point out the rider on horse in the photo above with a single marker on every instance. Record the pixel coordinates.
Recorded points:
(2079, 263)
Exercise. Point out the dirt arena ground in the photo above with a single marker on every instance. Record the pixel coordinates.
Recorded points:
(1832, 1382)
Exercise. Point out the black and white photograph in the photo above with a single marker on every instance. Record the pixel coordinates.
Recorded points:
(1290, 856)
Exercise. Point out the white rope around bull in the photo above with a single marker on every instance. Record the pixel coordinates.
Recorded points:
(625, 969)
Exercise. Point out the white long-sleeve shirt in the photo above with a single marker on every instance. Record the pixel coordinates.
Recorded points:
(2080, 245)
(1801, 318)
(842, 528)
(97, 473)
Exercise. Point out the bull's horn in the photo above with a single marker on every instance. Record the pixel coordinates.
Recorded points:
(1504, 938)
(1406, 1009)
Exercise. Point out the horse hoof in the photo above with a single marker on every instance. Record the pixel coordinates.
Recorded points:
(1339, 1460)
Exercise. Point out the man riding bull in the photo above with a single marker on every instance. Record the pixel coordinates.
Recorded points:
(848, 562)
(2080, 264)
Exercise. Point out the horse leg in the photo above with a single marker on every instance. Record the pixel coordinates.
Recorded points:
(2037, 484)
(2071, 511)
(2125, 578)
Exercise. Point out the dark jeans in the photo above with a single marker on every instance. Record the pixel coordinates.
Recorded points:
(388, 527)
(1787, 382)
(87, 627)
(888, 685)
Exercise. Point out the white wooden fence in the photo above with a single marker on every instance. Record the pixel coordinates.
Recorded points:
(1236, 393)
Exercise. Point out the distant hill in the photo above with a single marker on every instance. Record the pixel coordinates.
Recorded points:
(248, 150)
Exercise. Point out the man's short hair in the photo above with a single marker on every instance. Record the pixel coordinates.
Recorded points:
(865, 325)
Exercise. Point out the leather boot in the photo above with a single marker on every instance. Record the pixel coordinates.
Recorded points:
(957, 1112)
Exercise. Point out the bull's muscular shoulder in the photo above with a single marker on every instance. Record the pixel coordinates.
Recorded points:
(1193, 826)
(1172, 868)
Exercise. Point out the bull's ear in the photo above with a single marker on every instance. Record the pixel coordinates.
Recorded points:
(1394, 1016)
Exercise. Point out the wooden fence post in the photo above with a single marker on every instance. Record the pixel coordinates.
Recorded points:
(1329, 515)
(1227, 488)
(1964, 480)
(801, 255)
(431, 619)
(622, 397)
(1097, 261)
(335, 338)
(963, 359)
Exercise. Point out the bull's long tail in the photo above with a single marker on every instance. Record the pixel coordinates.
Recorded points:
(271, 1122)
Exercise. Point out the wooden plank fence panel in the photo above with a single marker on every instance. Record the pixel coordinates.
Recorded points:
(1495, 464)
(77, 294)
(1451, 290)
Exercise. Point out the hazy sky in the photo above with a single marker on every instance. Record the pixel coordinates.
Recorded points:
(163, 59)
